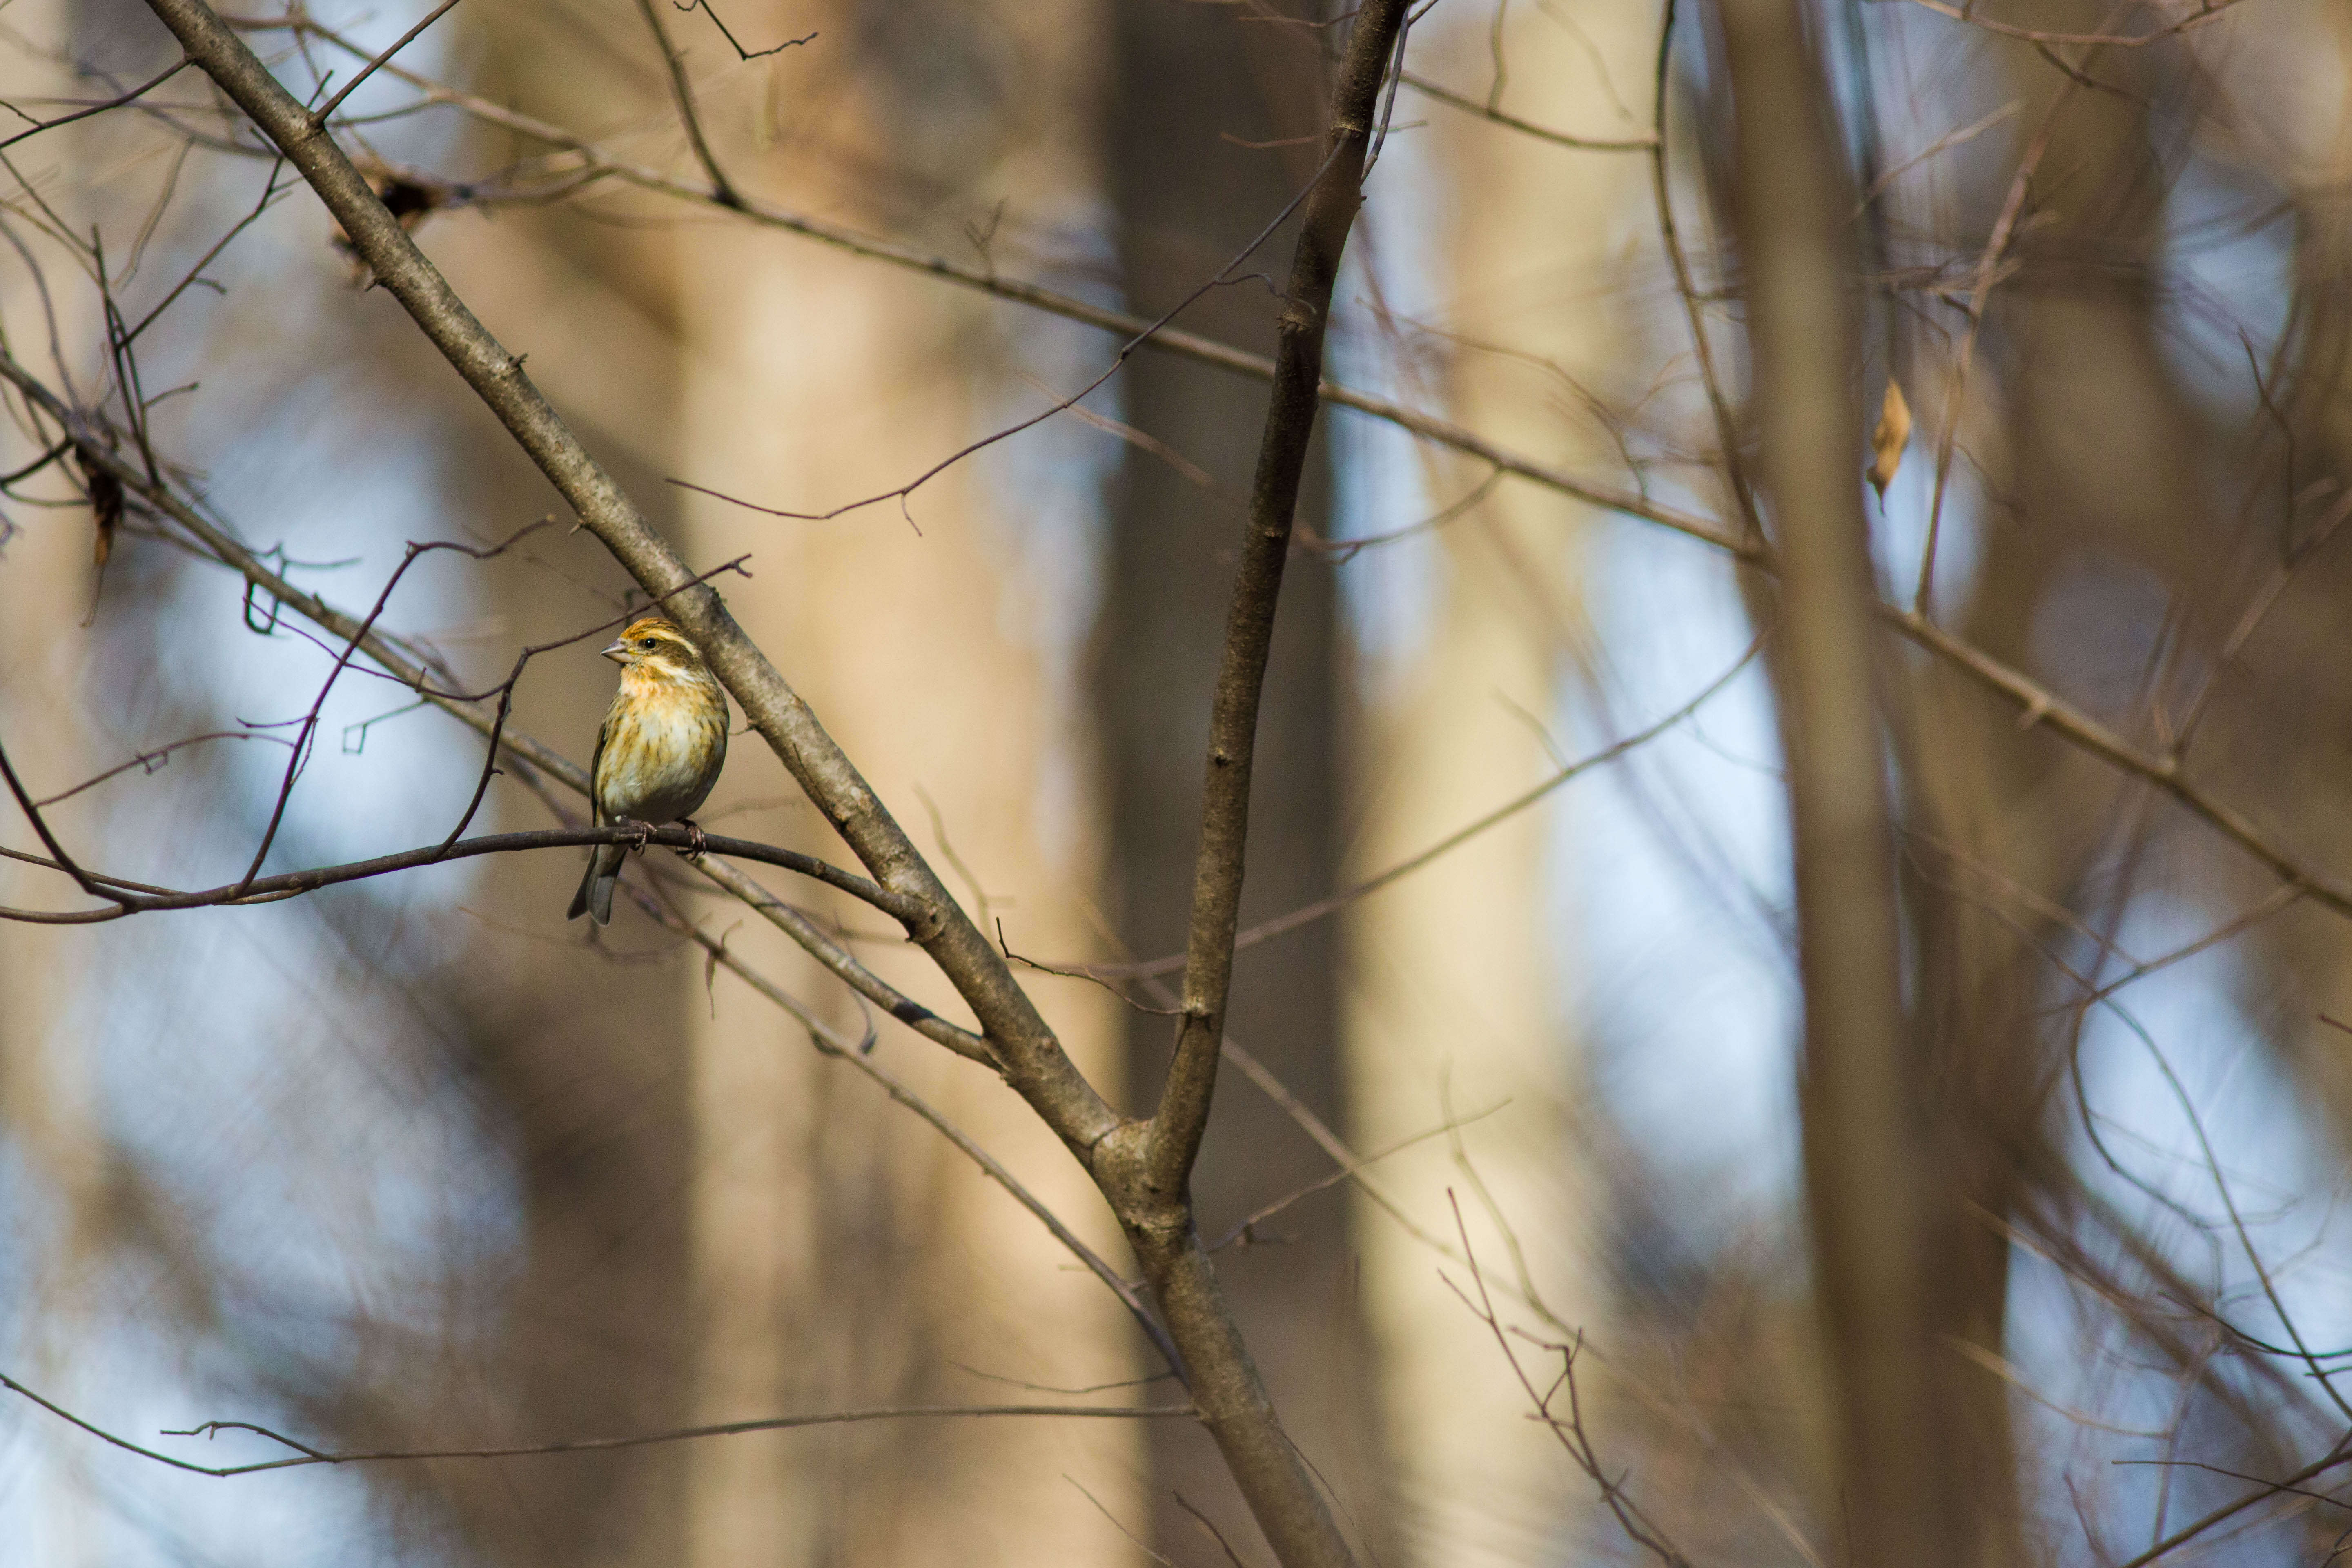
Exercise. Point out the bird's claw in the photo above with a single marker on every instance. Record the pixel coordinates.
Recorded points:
(697, 843)
(640, 834)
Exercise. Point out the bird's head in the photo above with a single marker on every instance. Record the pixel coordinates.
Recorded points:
(653, 647)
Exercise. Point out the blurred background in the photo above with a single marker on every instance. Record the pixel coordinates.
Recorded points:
(412, 1162)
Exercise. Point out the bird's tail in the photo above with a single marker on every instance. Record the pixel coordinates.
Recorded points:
(594, 898)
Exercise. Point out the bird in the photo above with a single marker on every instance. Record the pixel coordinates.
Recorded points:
(658, 751)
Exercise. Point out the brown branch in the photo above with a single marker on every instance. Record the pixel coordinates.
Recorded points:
(289, 884)
(533, 756)
(2041, 708)
(2261, 1493)
(1176, 1128)
(1867, 1186)
(1225, 276)
(1244, 1228)
(2037, 704)
(746, 55)
(844, 966)
(1727, 429)
(1147, 1170)
(153, 759)
(1212, 1531)
(306, 1455)
(94, 887)
(1943, 144)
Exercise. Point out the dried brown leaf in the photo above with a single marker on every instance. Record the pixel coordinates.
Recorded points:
(1888, 439)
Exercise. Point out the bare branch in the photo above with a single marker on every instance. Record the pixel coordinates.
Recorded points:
(267, 889)
(2264, 1492)
(318, 116)
(2205, 11)
(1727, 429)
(722, 189)
(1228, 274)
(1307, 914)
(746, 55)
(305, 1455)
(1487, 111)
(1569, 1429)
(1165, 340)
(86, 112)
(150, 761)
(2004, 228)
(1266, 1464)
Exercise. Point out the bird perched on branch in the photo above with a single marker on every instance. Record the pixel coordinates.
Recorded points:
(659, 751)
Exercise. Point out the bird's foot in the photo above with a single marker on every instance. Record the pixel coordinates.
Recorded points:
(639, 834)
(697, 843)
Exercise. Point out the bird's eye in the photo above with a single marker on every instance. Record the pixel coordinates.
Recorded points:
(647, 644)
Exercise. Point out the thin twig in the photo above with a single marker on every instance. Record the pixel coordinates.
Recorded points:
(2207, 11)
(306, 1455)
(2004, 228)
(722, 189)
(144, 88)
(318, 116)
(1453, 99)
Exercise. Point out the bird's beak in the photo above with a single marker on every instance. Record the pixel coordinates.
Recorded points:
(617, 651)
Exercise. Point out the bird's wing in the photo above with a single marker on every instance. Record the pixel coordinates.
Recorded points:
(595, 761)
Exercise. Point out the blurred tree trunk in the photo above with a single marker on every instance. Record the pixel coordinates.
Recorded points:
(845, 1254)
(576, 1050)
(2280, 724)
(2094, 457)
(1872, 1184)
(1186, 84)
(1455, 988)
(2281, 719)
(50, 1094)
(48, 1089)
